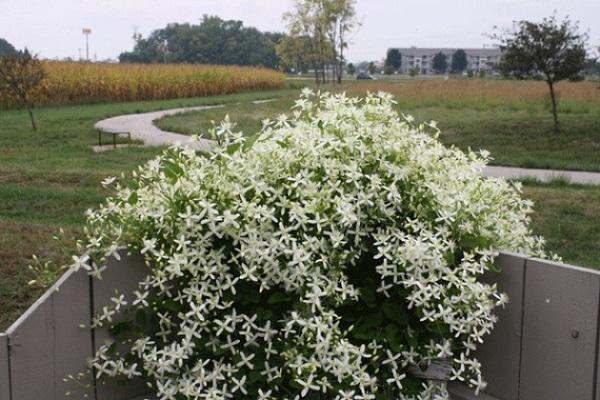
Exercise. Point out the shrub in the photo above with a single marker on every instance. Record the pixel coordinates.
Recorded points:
(326, 258)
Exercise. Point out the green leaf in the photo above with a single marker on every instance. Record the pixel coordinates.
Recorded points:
(367, 327)
(170, 305)
(119, 328)
(133, 198)
(233, 148)
(368, 295)
(395, 312)
(278, 297)
(140, 318)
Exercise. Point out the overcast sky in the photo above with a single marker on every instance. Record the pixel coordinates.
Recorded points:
(52, 28)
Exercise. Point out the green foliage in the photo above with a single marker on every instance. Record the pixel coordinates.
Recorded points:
(413, 72)
(213, 41)
(295, 53)
(350, 69)
(459, 61)
(7, 49)
(393, 59)
(372, 68)
(326, 24)
(388, 70)
(440, 63)
(20, 75)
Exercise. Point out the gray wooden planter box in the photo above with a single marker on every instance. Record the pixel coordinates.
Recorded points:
(545, 345)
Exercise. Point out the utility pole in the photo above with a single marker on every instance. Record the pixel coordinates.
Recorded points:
(87, 32)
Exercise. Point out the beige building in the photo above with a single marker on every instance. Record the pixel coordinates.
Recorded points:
(483, 59)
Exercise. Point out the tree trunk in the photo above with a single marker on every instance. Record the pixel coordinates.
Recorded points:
(30, 111)
(316, 74)
(554, 110)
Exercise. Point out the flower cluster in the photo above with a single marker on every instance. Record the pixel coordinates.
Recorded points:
(324, 258)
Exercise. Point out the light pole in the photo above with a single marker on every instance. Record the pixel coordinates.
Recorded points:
(87, 32)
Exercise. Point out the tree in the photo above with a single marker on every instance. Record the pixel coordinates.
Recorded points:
(327, 23)
(388, 70)
(550, 50)
(20, 75)
(413, 72)
(341, 21)
(7, 49)
(213, 41)
(440, 63)
(294, 53)
(350, 69)
(394, 59)
(372, 67)
(459, 61)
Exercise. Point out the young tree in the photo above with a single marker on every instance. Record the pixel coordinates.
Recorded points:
(341, 21)
(304, 21)
(350, 69)
(459, 61)
(440, 63)
(394, 59)
(372, 67)
(552, 50)
(327, 23)
(19, 77)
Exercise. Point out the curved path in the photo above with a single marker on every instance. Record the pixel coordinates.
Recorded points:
(141, 127)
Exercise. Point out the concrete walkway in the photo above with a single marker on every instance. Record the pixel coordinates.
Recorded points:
(142, 128)
(543, 175)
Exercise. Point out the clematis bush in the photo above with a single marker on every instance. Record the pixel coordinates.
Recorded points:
(326, 258)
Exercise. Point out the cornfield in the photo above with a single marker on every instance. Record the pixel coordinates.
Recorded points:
(79, 82)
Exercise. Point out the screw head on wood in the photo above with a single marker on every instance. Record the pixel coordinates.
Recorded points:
(574, 333)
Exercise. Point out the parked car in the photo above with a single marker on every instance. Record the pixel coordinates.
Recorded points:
(365, 76)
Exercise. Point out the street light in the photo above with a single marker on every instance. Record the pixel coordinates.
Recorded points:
(87, 32)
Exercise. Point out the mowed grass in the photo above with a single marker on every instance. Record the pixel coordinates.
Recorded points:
(510, 119)
(50, 177)
(567, 216)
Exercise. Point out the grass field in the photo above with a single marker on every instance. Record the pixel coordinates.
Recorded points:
(49, 178)
(510, 119)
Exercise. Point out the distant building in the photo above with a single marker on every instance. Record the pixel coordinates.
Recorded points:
(484, 59)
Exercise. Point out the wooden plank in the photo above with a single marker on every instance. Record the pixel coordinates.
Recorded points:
(4, 368)
(559, 332)
(501, 350)
(458, 391)
(123, 276)
(47, 343)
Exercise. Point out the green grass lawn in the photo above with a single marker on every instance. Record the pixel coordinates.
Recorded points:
(567, 216)
(50, 177)
(514, 136)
